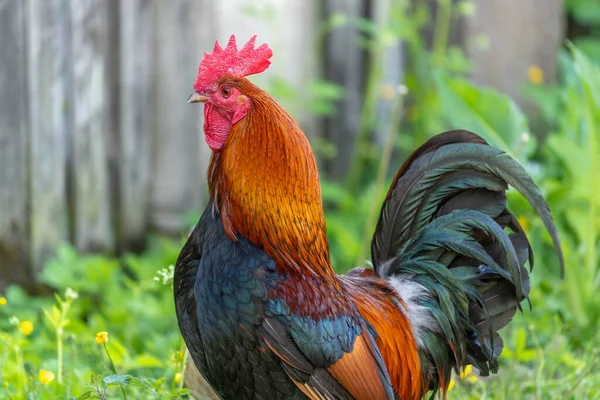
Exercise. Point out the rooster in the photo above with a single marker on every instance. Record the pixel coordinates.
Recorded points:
(258, 303)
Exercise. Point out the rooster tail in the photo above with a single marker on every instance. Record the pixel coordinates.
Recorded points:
(456, 255)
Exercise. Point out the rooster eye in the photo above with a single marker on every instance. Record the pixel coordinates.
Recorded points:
(226, 91)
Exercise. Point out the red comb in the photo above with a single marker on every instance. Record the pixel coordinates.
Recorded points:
(244, 62)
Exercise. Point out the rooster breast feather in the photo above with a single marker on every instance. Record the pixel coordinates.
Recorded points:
(453, 251)
(246, 340)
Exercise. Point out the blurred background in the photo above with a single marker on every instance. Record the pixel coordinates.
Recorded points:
(103, 164)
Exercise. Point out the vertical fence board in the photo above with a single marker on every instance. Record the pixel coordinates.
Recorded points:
(177, 176)
(49, 42)
(97, 142)
(14, 212)
(392, 74)
(291, 28)
(91, 186)
(520, 34)
(344, 66)
(135, 112)
(203, 41)
(295, 34)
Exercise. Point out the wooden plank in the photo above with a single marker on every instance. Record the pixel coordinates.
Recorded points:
(392, 75)
(195, 382)
(14, 210)
(91, 189)
(48, 76)
(344, 66)
(204, 39)
(520, 34)
(291, 29)
(179, 166)
(456, 34)
(134, 133)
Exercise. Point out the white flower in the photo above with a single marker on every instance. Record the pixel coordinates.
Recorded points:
(165, 275)
(70, 294)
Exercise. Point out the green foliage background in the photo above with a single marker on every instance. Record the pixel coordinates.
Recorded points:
(551, 352)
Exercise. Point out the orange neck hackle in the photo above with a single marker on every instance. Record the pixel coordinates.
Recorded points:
(265, 184)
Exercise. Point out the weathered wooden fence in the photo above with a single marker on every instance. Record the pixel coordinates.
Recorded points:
(97, 143)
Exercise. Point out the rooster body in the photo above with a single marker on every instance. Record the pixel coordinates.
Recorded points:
(260, 308)
(229, 283)
(242, 329)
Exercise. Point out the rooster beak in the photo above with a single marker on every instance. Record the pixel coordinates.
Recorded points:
(197, 98)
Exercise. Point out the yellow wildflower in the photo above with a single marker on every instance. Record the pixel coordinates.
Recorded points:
(101, 337)
(26, 327)
(46, 376)
(524, 222)
(2, 301)
(451, 384)
(466, 372)
(177, 357)
(178, 377)
(535, 75)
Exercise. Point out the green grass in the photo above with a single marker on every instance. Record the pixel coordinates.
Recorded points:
(128, 299)
(539, 362)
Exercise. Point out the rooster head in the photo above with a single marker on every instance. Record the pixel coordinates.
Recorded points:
(215, 86)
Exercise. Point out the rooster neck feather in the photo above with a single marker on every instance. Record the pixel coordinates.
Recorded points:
(265, 183)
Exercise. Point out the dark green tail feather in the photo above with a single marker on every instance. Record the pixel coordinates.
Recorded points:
(442, 226)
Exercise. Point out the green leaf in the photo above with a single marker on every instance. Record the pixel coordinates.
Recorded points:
(117, 379)
(147, 361)
(520, 339)
(118, 352)
(488, 113)
(528, 355)
(586, 12)
(547, 98)
(573, 185)
(158, 383)
(321, 97)
(181, 392)
(128, 380)
(281, 88)
(95, 379)
(590, 46)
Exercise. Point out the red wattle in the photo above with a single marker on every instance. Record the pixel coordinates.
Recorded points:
(216, 127)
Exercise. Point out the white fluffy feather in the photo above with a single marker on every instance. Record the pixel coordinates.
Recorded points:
(419, 316)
